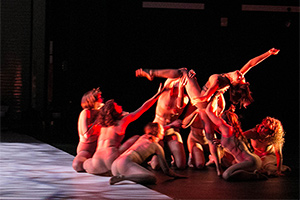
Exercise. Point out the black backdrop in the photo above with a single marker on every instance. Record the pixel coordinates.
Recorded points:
(102, 43)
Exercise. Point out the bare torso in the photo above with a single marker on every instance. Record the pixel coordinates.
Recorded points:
(166, 109)
(109, 138)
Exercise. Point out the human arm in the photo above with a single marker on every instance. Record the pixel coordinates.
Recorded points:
(213, 83)
(136, 114)
(255, 61)
(175, 124)
(82, 123)
(221, 104)
(250, 134)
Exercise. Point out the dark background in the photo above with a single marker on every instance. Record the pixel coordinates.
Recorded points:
(102, 43)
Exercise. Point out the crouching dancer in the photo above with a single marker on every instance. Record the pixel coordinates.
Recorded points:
(128, 165)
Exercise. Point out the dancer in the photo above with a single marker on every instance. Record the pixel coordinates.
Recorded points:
(88, 132)
(239, 92)
(267, 139)
(197, 142)
(128, 165)
(113, 126)
(248, 163)
(170, 106)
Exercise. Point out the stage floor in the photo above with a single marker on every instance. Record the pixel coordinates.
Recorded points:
(30, 169)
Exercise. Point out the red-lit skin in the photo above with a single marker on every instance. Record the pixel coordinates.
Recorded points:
(247, 162)
(109, 147)
(212, 86)
(200, 98)
(127, 166)
(265, 149)
(88, 134)
(169, 107)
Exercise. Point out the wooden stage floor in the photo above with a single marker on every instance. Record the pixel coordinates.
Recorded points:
(30, 169)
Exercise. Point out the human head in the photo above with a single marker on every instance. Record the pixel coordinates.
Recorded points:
(89, 99)
(240, 94)
(109, 114)
(271, 130)
(154, 129)
(231, 108)
(236, 77)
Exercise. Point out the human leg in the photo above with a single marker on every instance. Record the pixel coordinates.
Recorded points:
(197, 157)
(177, 150)
(246, 170)
(84, 151)
(209, 133)
(80, 158)
(161, 73)
(101, 162)
(124, 169)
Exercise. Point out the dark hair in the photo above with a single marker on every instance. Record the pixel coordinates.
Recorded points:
(232, 119)
(240, 94)
(108, 116)
(89, 98)
(155, 127)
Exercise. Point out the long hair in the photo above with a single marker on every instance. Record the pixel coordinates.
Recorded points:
(89, 98)
(240, 94)
(276, 128)
(232, 119)
(108, 116)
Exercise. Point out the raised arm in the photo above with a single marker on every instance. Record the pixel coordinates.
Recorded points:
(136, 114)
(255, 61)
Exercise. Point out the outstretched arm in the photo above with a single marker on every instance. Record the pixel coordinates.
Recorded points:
(255, 61)
(136, 114)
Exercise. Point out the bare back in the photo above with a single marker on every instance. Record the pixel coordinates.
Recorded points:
(109, 138)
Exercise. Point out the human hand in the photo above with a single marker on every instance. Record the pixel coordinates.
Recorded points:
(176, 124)
(192, 73)
(274, 51)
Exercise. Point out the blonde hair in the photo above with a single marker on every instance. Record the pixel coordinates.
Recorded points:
(274, 125)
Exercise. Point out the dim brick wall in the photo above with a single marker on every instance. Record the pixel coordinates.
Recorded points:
(16, 39)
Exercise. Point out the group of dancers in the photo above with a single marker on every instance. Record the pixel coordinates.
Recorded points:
(102, 126)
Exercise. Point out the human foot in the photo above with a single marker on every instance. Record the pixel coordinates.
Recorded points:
(144, 73)
(115, 179)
